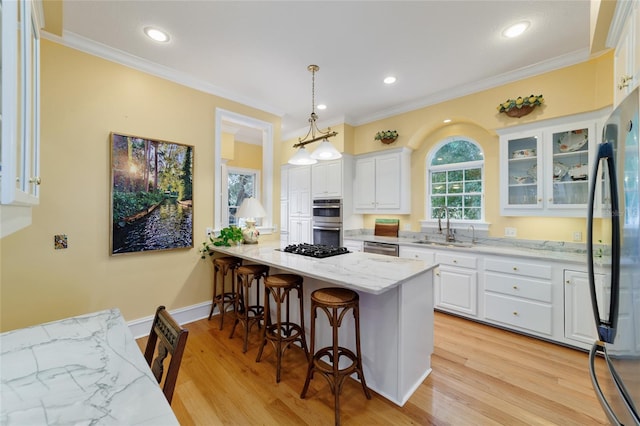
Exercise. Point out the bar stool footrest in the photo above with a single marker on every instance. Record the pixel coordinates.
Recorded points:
(327, 367)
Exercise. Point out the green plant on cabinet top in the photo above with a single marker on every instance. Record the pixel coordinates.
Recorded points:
(386, 136)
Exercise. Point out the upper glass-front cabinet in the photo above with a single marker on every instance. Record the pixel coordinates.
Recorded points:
(523, 163)
(545, 169)
(20, 106)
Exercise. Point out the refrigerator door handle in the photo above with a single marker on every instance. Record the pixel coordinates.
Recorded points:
(606, 329)
(596, 385)
(622, 390)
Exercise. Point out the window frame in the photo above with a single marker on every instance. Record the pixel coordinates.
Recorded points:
(428, 222)
(256, 192)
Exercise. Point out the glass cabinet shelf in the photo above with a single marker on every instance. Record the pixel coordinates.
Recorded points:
(545, 167)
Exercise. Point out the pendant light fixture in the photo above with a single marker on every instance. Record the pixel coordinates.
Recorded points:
(325, 151)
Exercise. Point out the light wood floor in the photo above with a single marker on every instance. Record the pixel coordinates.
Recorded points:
(481, 376)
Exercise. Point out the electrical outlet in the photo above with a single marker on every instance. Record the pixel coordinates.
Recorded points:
(209, 231)
(407, 227)
(577, 236)
(510, 232)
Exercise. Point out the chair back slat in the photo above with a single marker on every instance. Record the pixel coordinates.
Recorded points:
(166, 337)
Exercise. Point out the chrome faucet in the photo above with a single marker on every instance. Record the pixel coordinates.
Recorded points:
(450, 235)
(473, 234)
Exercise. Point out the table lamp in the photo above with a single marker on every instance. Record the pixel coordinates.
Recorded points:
(250, 209)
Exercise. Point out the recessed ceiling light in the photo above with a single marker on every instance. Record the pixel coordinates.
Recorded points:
(321, 106)
(446, 120)
(156, 34)
(389, 80)
(516, 30)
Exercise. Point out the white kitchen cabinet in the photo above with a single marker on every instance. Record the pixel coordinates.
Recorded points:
(625, 38)
(383, 182)
(284, 216)
(299, 205)
(519, 294)
(579, 323)
(353, 245)
(299, 191)
(20, 113)
(545, 168)
(284, 182)
(428, 256)
(284, 204)
(326, 179)
(456, 283)
(299, 230)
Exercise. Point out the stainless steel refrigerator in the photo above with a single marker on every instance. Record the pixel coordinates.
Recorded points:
(613, 245)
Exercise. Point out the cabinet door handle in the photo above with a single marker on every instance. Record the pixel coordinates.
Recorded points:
(35, 180)
(515, 268)
(515, 313)
(624, 81)
(515, 287)
(455, 261)
(568, 281)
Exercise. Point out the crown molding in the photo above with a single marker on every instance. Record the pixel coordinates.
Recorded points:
(622, 12)
(86, 45)
(75, 41)
(478, 86)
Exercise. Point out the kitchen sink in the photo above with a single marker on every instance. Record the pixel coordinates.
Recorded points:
(444, 243)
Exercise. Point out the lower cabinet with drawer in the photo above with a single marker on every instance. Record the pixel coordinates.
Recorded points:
(456, 283)
(519, 294)
(417, 253)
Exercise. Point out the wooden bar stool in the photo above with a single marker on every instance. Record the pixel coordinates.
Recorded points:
(246, 313)
(223, 299)
(335, 302)
(282, 333)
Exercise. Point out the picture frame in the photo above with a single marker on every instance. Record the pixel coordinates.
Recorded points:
(151, 205)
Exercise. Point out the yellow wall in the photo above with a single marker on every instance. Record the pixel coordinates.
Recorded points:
(84, 98)
(247, 156)
(571, 90)
(227, 149)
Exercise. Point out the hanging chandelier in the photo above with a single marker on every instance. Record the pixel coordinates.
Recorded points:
(325, 151)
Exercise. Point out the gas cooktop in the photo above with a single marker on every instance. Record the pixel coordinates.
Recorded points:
(315, 250)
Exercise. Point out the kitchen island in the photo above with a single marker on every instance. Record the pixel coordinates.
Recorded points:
(396, 309)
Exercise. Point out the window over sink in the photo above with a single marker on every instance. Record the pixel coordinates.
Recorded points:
(455, 182)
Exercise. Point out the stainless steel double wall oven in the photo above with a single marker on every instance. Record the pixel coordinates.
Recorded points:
(327, 222)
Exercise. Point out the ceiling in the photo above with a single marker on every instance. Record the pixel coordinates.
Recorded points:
(257, 52)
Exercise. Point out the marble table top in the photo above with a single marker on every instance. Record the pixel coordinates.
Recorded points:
(366, 272)
(81, 370)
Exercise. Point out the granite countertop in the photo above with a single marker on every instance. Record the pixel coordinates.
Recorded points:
(543, 250)
(366, 272)
(81, 370)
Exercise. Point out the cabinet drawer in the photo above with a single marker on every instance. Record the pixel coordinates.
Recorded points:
(514, 285)
(454, 259)
(528, 315)
(409, 253)
(535, 270)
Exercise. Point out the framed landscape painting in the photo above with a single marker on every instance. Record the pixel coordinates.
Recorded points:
(151, 195)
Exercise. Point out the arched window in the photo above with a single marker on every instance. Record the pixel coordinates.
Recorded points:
(455, 181)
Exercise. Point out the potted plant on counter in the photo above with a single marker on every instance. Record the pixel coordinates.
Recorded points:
(231, 235)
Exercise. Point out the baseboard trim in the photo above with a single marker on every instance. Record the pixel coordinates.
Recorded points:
(140, 327)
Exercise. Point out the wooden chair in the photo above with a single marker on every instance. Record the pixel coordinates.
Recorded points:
(173, 340)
